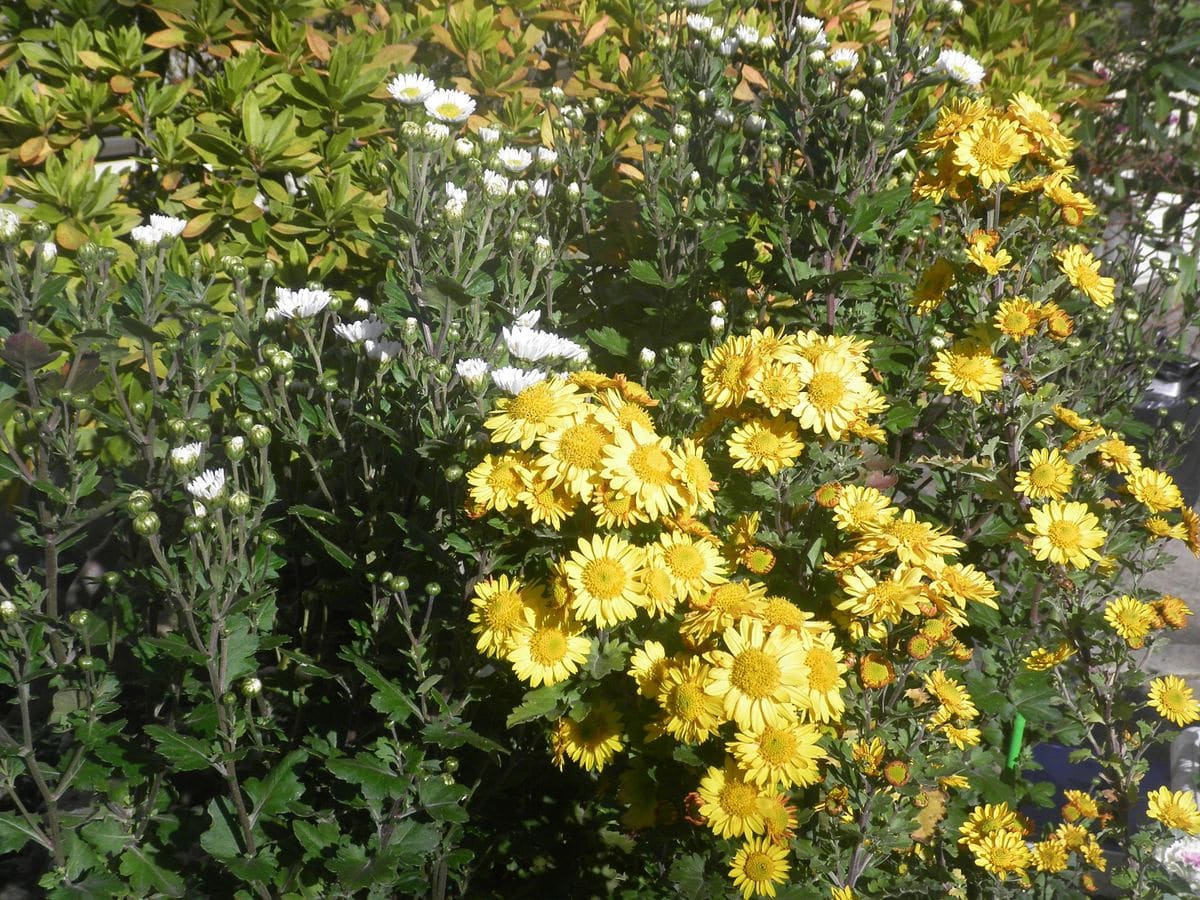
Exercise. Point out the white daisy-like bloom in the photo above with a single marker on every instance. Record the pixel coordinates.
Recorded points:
(843, 60)
(463, 148)
(728, 46)
(540, 187)
(530, 344)
(384, 351)
(495, 185)
(766, 43)
(512, 380)
(449, 106)
(529, 319)
(472, 371)
(411, 88)
(455, 194)
(960, 67)
(168, 225)
(208, 485)
(362, 305)
(489, 135)
(436, 132)
(301, 304)
(147, 236)
(545, 157)
(363, 330)
(747, 34)
(514, 159)
(699, 23)
(9, 225)
(186, 456)
(809, 28)
(570, 350)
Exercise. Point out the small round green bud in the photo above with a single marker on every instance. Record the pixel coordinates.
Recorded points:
(267, 269)
(282, 361)
(80, 618)
(244, 421)
(177, 428)
(329, 382)
(87, 663)
(193, 525)
(447, 778)
(260, 436)
(441, 373)
(398, 583)
(111, 579)
(239, 503)
(229, 698)
(40, 415)
(1178, 426)
(433, 589)
(66, 396)
(80, 401)
(40, 231)
(453, 473)
(139, 502)
(269, 536)
(139, 409)
(450, 764)
(252, 687)
(146, 524)
(260, 375)
(8, 610)
(199, 430)
(1074, 342)
(11, 560)
(685, 349)
(1162, 412)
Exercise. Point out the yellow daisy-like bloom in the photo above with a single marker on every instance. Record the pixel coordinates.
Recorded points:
(780, 818)
(547, 502)
(1002, 853)
(776, 611)
(758, 866)
(1119, 456)
(1042, 660)
(954, 782)
(591, 742)
(695, 478)
(498, 611)
(1131, 619)
(860, 508)
(823, 699)
(572, 455)
(647, 666)
(760, 676)
(548, 650)
(534, 412)
(914, 542)
(954, 118)
(1172, 699)
(691, 714)
(616, 509)
(659, 587)
(776, 386)
(991, 263)
(886, 600)
(770, 444)
(1072, 419)
(772, 345)
(1018, 318)
(1191, 522)
(965, 584)
(729, 803)
(812, 345)
(841, 893)
(1048, 477)
(1175, 809)
(1049, 855)
(987, 820)
(875, 671)
(497, 482)
(1065, 533)
(952, 695)
(1079, 806)
(1083, 271)
(989, 149)
(696, 566)
(1161, 528)
(727, 372)
(962, 738)
(1059, 324)
(1155, 490)
(603, 575)
(617, 413)
(868, 755)
(725, 605)
(785, 754)
(1073, 207)
(642, 465)
(834, 390)
(1173, 610)
(967, 368)
(933, 286)
(1036, 122)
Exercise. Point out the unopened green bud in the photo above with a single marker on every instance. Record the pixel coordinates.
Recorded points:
(252, 687)
(177, 428)
(111, 579)
(146, 524)
(87, 663)
(269, 536)
(80, 618)
(8, 610)
(193, 525)
(239, 503)
(11, 560)
(260, 436)
(267, 269)
(40, 231)
(453, 473)
(433, 589)
(139, 502)
(282, 361)
(260, 375)
(329, 382)
(244, 421)
(199, 430)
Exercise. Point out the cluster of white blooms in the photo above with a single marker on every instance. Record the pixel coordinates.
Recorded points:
(158, 230)
(533, 345)
(959, 67)
(370, 329)
(383, 351)
(515, 159)
(300, 304)
(9, 224)
(456, 202)
(512, 380)
(525, 343)
(208, 486)
(443, 105)
(472, 371)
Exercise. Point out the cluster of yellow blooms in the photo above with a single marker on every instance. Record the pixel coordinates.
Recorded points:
(981, 151)
(996, 836)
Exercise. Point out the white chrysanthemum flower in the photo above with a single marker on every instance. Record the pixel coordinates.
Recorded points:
(472, 371)
(515, 159)
(489, 135)
(570, 350)
(410, 88)
(843, 60)
(766, 43)
(530, 344)
(362, 330)
(301, 304)
(436, 132)
(716, 324)
(384, 351)
(512, 380)
(495, 185)
(647, 357)
(147, 236)
(208, 485)
(809, 28)
(449, 106)
(747, 35)
(463, 148)
(529, 319)
(540, 187)
(362, 305)
(168, 225)
(960, 67)
(545, 157)
(48, 251)
(188, 455)
(699, 23)
(9, 225)
(727, 46)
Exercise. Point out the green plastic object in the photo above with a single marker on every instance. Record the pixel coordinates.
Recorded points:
(1014, 743)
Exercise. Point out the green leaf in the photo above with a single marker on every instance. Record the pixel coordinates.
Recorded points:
(646, 273)
(15, 833)
(377, 779)
(337, 553)
(278, 790)
(220, 840)
(184, 753)
(537, 704)
(315, 836)
(388, 698)
(106, 835)
(610, 339)
(240, 646)
(687, 875)
(441, 800)
(146, 876)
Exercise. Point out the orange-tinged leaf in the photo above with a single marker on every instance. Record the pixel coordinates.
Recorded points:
(120, 84)
(317, 44)
(743, 91)
(91, 59)
(69, 236)
(631, 171)
(752, 75)
(34, 151)
(198, 225)
(167, 39)
(596, 31)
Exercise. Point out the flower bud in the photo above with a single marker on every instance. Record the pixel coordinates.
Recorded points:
(139, 502)
(283, 361)
(252, 687)
(267, 269)
(146, 524)
(464, 149)
(48, 251)
(10, 225)
(647, 358)
(433, 589)
(753, 125)
(410, 132)
(937, 342)
(542, 252)
(260, 436)
(717, 308)
(411, 329)
(716, 324)
(239, 503)
(80, 618)
(680, 132)
(856, 98)
(260, 375)
(235, 447)
(816, 57)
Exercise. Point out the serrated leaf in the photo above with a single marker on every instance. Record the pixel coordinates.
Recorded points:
(15, 833)
(315, 836)
(220, 839)
(375, 777)
(146, 876)
(687, 875)
(537, 704)
(610, 339)
(441, 800)
(388, 698)
(335, 552)
(106, 835)
(278, 790)
(646, 272)
(184, 753)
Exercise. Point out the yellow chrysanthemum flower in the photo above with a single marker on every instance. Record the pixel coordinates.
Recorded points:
(770, 444)
(823, 697)
(989, 149)
(1002, 853)
(690, 714)
(1073, 207)
(1175, 809)
(955, 117)
(498, 611)
(758, 866)
(695, 478)
(1059, 324)
(834, 390)
(659, 588)
(727, 372)
(992, 263)
(534, 412)
(1131, 619)
(642, 465)
(1191, 522)
(1119, 456)
(760, 676)
(616, 509)
(1083, 271)
(547, 502)
(1155, 490)
(1018, 318)
(913, 541)
(604, 579)
(548, 650)
(497, 482)
(1066, 533)
(967, 368)
(860, 508)
(1172, 699)
(961, 737)
(1042, 660)
(1036, 122)
(779, 754)
(591, 742)
(647, 666)
(618, 413)
(952, 695)
(1048, 477)
(1161, 528)
(730, 804)
(776, 386)
(933, 286)
(987, 820)
(696, 566)
(776, 611)
(886, 600)
(1173, 610)
(1079, 806)
(573, 455)
(1049, 855)
(725, 605)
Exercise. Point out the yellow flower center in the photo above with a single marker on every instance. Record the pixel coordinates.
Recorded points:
(581, 446)
(1005, 857)
(1087, 278)
(1017, 322)
(604, 579)
(548, 646)
(728, 597)
(449, 110)
(822, 670)
(657, 584)
(1063, 534)
(758, 866)
(1042, 476)
(776, 746)
(907, 533)
(685, 561)
(687, 701)
(730, 372)
(630, 414)
(696, 472)
(826, 390)
(504, 479)
(504, 611)
(778, 388)
(738, 799)
(651, 464)
(764, 443)
(992, 153)
(755, 673)
(533, 404)
(969, 368)
(779, 611)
